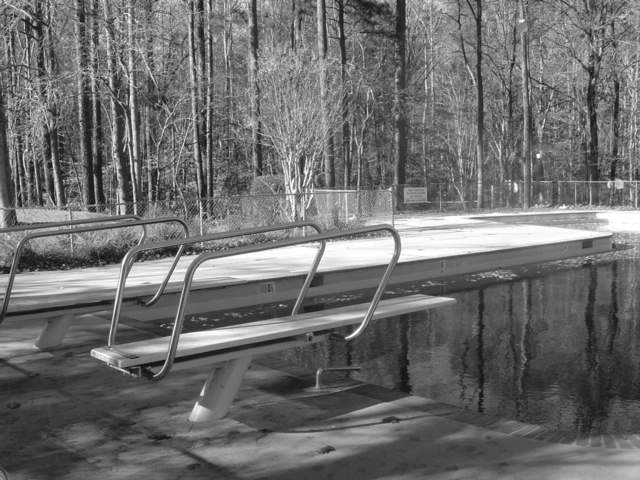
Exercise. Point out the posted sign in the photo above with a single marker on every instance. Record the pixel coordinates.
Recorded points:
(415, 194)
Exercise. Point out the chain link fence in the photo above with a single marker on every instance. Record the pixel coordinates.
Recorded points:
(449, 197)
(330, 209)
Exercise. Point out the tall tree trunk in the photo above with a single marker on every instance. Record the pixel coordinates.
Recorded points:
(96, 109)
(228, 86)
(526, 105)
(399, 101)
(152, 173)
(328, 159)
(254, 89)
(615, 117)
(210, 98)
(202, 72)
(592, 116)
(134, 114)
(84, 119)
(27, 165)
(195, 117)
(346, 131)
(480, 105)
(43, 83)
(119, 156)
(7, 206)
(14, 152)
(56, 186)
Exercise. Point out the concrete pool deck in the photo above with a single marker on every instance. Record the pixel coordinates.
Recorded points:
(432, 247)
(65, 417)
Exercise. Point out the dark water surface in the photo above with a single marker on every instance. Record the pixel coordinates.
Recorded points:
(556, 344)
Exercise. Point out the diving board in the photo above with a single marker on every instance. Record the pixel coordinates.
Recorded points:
(229, 350)
(152, 351)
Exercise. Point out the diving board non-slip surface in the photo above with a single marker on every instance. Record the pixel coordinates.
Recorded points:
(247, 334)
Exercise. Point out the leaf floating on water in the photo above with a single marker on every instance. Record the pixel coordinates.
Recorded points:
(326, 449)
(391, 419)
(156, 437)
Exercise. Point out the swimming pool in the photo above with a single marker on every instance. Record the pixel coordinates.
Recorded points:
(555, 344)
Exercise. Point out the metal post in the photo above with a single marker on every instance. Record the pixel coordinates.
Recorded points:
(71, 246)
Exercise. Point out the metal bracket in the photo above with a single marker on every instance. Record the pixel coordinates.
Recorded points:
(320, 371)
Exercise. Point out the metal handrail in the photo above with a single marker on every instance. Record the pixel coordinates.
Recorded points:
(204, 257)
(129, 259)
(71, 231)
(69, 223)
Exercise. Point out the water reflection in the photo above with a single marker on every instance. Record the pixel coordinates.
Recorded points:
(556, 345)
(559, 349)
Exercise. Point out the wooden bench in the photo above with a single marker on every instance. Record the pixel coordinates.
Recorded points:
(229, 350)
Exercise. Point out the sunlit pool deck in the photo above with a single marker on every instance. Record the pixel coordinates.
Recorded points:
(432, 248)
(63, 416)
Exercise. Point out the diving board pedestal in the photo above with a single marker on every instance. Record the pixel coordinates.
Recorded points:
(54, 331)
(229, 350)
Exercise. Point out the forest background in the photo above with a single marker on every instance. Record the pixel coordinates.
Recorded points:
(126, 102)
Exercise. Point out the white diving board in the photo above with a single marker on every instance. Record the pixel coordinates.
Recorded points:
(230, 349)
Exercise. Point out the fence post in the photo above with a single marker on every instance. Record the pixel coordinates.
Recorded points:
(440, 197)
(393, 210)
(492, 193)
(575, 194)
(71, 246)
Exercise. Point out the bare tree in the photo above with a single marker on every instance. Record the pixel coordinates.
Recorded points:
(84, 107)
(526, 104)
(254, 88)
(399, 100)
(328, 160)
(134, 114)
(195, 116)
(117, 114)
(293, 122)
(96, 108)
(7, 207)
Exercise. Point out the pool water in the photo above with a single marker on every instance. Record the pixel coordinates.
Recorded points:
(556, 344)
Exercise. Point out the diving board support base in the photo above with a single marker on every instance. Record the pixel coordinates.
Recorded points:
(219, 390)
(54, 331)
(224, 381)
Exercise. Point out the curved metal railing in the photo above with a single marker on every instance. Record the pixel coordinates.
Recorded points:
(323, 237)
(69, 223)
(130, 257)
(70, 231)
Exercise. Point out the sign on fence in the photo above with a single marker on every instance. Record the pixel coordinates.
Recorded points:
(415, 194)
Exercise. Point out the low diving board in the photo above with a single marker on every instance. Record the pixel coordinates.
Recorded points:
(230, 349)
(245, 335)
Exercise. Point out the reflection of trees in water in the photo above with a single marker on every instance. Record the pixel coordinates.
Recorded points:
(522, 355)
(562, 350)
(480, 350)
(603, 365)
(475, 339)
